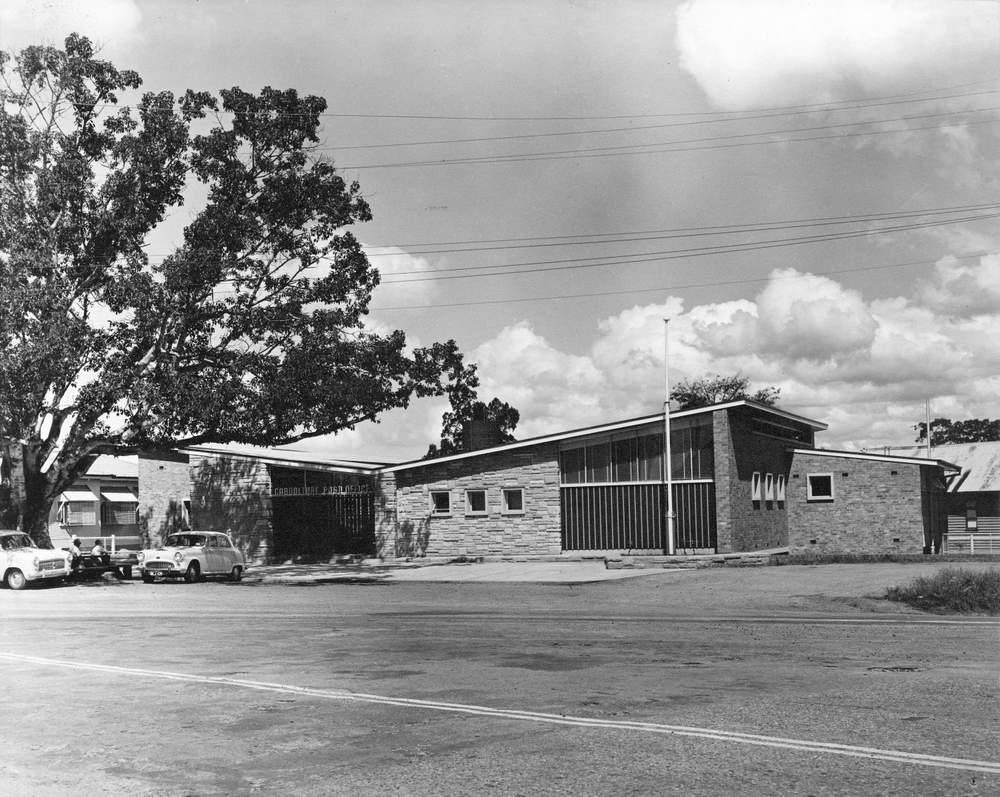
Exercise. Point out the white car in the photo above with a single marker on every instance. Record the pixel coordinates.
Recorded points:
(21, 561)
(193, 555)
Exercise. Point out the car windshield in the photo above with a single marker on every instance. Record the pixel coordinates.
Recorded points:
(185, 540)
(11, 542)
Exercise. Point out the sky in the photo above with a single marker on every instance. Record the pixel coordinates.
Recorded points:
(809, 191)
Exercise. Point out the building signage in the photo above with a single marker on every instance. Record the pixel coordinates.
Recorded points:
(320, 489)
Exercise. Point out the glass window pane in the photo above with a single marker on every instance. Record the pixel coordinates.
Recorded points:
(599, 462)
(624, 460)
(651, 458)
(572, 465)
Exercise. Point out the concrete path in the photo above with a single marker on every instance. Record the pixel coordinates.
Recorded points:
(555, 572)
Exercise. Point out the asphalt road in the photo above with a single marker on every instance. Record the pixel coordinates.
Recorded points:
(762, 681)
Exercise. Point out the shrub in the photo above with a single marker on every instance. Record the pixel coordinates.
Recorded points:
(952, 590)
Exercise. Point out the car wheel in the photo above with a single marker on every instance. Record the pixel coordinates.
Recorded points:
(193, 573)
(147, 578)
(15, 579)
(124, 572)
(236, 574)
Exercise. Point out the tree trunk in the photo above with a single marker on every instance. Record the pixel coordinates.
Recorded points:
(25, 496)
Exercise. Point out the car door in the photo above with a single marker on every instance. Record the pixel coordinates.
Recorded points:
(214, 555)
(229, 555)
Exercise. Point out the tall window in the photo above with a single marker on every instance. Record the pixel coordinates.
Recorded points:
(639, 458)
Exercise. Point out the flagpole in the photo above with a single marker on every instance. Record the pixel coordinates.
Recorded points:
(667, 468)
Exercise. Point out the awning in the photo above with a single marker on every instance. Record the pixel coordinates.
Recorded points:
(78, 494)
(119, 496)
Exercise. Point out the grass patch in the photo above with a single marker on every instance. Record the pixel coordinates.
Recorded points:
(952, 590)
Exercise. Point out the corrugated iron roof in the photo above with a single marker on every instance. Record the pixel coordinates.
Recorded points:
(980, 464)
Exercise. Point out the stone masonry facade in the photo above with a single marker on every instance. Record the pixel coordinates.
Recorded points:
(233, 495)
(406, 527)
(876, 507)
(164, 486)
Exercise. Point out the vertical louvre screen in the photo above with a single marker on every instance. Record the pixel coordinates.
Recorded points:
(631, 516)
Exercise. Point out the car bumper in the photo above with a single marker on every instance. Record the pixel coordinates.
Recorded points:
(48, 575)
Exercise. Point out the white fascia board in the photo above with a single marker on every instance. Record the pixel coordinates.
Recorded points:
(327, 466)
(826, 452)
(602, 429)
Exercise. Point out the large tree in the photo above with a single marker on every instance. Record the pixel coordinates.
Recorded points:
(466, 409)
(692, 393)
(945, 430)
(249, 330)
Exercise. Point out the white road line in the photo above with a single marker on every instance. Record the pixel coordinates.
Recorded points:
(830, 748)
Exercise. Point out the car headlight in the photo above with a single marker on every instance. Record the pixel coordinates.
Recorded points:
(178, 557)
(141, 556)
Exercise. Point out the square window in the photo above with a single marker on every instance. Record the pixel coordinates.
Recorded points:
(769, 487)
(819, 486)
(513, 501)
(475, 502)
(755, 487)
(440, 503)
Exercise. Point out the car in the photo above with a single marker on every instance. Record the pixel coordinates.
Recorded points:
(21, 561)
(193, 555)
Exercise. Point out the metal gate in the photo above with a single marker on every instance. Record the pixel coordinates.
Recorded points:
(631, 517)
(319, 527)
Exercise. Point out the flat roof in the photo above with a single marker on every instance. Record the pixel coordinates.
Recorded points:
(289, 458)
(604, 428)
(829, 452)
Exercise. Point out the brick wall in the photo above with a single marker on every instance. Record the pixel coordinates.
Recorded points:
(742, 523)
(233, 495)
(876, 507)
(164, 485)
(405, 527)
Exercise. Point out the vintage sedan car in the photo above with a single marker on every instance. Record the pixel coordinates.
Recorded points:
(21, 561)
(193, 555)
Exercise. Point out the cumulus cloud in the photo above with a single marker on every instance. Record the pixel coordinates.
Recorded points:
(773, 52)
(864, 367)
(105, 22)
(960, 288)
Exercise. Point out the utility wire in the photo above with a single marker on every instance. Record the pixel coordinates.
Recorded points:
(637, 128)
(653, 235)
(687, 286)
(668, 254)
(701, 143)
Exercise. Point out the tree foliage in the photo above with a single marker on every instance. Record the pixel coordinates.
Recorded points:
(500, 416)
(251, 329)
(945, 430)
(719, 389)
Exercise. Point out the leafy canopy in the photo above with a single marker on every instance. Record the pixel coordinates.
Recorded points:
(499, 417)
(945, 430)
(249, 329)
(719, 389)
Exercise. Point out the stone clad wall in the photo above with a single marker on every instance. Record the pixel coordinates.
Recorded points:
(406, 529)
(233, 495)
(164, 485)
(876, 507)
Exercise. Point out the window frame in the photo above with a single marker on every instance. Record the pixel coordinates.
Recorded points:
(821, 498)
(435, 512)
(756, 487)
(779, 490)
(768, 486)
(504, 507)
(469, 511)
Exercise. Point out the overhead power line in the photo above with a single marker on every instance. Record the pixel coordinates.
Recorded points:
(736, 117)
(686, 145)
(686, 286)
(630, 236)
(569, 264)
